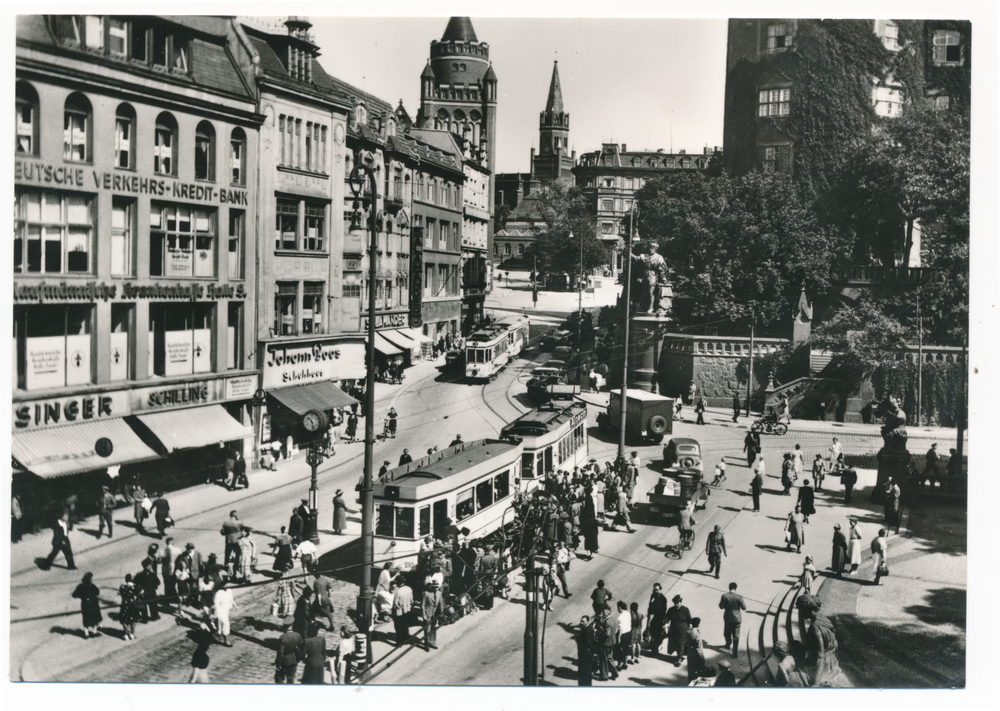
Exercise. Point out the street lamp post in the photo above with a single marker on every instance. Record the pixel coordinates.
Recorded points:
(360, 175)
(314, 422)
(628, 307)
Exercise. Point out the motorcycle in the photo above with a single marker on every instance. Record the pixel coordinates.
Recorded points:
(769, 425)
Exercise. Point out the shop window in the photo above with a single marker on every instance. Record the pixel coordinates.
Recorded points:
(464, 505)
(204, 152)
(182, 241)
(234, 337)
(77, 118)
(774, 102)
(122, 237)
(237, 157)
(313, 238)
(26, 120)
(53, 345)
(181, 338)
(286, 224)
(947, 47)
(285, 306)
(779, 37)
(165, 145)
(122, 338)
(312, 307)
(125, 137)
(53, 233)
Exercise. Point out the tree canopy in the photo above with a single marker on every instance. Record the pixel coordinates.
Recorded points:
(564, 222)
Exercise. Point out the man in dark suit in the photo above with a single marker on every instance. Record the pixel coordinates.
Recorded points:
(60, 543)
(751, 445)
(286, 663)
(807, 500)
(736, 408)
(732, 604)
(232, 529)
(656, 617)
(405, 457)
(585, 653)
(756, 484)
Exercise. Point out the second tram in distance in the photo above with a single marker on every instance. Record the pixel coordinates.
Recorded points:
(554, 437)
(492, 347)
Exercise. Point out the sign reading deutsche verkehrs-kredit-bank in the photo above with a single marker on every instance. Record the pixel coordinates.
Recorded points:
(301, 362)
(54, 175)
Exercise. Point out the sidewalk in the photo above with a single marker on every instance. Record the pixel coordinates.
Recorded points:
(909, 632)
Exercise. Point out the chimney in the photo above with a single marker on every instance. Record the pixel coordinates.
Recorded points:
(682, 152)
(659, 150)
(708, 151)
(624, 148)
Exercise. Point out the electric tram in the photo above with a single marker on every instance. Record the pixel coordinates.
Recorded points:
(492, 347)
(468, 486)
(553, 437)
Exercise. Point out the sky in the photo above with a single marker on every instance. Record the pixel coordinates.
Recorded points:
(625, 80)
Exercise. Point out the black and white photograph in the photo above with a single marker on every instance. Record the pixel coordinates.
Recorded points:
(341, 356)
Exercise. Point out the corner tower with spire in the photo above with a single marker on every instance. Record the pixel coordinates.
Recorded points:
(458, 90)
(554, 160)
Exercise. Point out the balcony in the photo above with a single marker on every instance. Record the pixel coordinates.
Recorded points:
(393, 204)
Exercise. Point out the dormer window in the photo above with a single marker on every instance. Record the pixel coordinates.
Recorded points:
(361, 115)
(300, 64)
(779, 37)
(390, 129)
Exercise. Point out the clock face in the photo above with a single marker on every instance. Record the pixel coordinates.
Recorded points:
(312, 421)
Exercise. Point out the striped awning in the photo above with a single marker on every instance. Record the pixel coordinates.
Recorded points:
(322, 396)
(194, 427)
(399, 339)
(60, 451)
(384, 347)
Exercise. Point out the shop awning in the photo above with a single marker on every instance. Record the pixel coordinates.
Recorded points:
(384, 347)
(401, 340)
(59, 451)
(323, 396)
(195, 427)
(415, 335)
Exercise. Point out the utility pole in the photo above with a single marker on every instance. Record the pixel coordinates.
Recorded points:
(534, 282)
(531, 621)
(920, 358)
(753, 322)
(579, 323)
(628, 307)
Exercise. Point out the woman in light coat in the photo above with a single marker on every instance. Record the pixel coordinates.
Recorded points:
(854, 545)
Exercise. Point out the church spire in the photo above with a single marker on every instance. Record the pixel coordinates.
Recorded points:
(555, 102)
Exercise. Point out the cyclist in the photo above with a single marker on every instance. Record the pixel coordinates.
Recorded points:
(720, 473)
(686, 523)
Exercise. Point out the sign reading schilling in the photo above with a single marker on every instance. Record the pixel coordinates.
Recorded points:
(287, 364)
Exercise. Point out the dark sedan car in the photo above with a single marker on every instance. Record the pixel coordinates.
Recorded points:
(682, 452)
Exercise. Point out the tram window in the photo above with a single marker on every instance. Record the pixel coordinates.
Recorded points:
(540, 465)
(484, 494)
(502, 485)
(527, 463)
(548, 460)
(425, 521)
(464, 505)
(384, 521)
(404, 523)
(440, 517)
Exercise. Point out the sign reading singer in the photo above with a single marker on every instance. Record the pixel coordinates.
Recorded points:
(311, 361)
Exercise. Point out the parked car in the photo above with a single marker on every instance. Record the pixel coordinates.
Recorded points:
(648, 416)
(564, 353)
(553, 339)
(683, 452)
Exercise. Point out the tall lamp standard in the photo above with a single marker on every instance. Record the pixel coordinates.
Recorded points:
(314, 422)
(620, 463)
(361, 175)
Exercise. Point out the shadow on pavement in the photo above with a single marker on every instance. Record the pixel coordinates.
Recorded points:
(945, 606)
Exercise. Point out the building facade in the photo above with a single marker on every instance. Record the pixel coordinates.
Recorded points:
(611, 176)
(308, 340)
(775, 108)
(134, 274)
(475, 243)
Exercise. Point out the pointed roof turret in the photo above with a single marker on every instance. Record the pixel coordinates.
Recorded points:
(555, 102)
(490, 74)
(428, 73)
(459, 29)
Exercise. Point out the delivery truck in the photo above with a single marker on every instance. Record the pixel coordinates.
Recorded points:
(648, 416)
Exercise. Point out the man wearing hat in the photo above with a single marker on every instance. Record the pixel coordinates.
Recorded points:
(296, 525)
(223, 603)
(679, 620)
(340, 512)
(715, 548)
(486, 573)
(405, 457)
(106, 503)
(231, 529)
(383, 472)
(323, 604)
(286, 663)
(725, 676)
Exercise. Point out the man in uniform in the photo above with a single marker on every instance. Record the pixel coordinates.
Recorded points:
(656, 618)
(106, 504)
(715, 548)
(286, 663)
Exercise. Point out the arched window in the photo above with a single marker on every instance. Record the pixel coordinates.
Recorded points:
(441, 120)
(77, 119)
(125, 137)
(165, 145)
(421, 194)
(204, 152)
(26, 120)
(237, 157)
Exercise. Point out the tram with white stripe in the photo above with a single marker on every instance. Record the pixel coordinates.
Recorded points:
(553, 436)
(492, 347)
(468, 486)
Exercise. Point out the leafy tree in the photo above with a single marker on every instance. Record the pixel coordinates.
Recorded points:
(864, 336)
(564, 221)
(736, 247)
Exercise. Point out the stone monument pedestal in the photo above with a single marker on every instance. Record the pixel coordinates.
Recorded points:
(645, 339)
